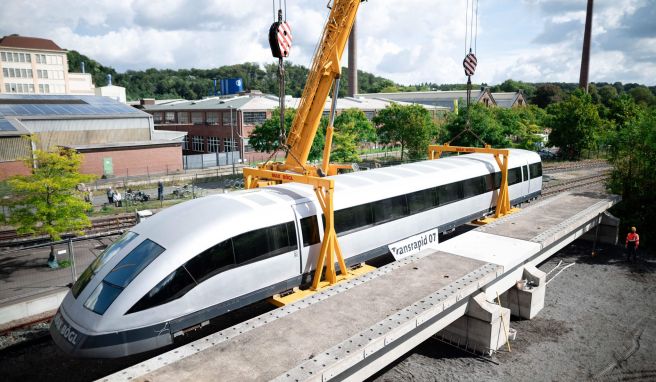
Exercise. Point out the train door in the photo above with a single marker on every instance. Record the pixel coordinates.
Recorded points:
(309, 235)
(525, 181)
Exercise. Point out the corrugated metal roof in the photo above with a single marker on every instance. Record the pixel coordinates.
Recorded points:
(260, 102)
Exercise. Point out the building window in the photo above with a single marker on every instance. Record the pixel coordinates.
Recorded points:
(229, 144)
(28, 57)
(212, 117)
(169, 117)
(44, 88)
(196, 117)
(197, 143)
(183, 117)
(254, 117)
(213, 144)
(42, 73)
(4, 56)
(226, 118)
(157, 117)
(40, 58)
(185, 143)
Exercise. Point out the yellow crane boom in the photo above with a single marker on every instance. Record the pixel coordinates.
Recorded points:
(324, 71)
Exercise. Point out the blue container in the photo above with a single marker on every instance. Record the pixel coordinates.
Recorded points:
(231, 85)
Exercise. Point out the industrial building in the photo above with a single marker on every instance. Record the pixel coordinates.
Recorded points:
(223, 124)
(114, 139)
(449, 99)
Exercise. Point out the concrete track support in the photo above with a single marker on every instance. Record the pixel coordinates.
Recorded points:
(526, 300)
(481, 329)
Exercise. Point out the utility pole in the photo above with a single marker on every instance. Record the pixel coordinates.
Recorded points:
(585, 56)
(353, 61)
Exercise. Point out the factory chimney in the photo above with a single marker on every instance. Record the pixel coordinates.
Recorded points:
(585, 56)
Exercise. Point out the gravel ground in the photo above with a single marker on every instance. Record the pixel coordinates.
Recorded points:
(597, 324)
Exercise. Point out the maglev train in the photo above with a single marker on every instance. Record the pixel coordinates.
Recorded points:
(202, 258)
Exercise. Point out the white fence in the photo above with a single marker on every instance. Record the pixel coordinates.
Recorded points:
(210, 160)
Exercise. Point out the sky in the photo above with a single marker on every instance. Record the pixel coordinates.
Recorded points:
(407, 41)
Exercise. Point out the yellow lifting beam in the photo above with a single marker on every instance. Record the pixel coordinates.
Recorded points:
(500, 155)
(324, 189)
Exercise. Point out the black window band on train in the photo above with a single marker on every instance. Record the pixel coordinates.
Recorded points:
(243, 249)
(352, 219)
(535, 169)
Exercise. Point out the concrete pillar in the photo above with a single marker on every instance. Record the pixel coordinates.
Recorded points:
(482, 328)
(607, 231)
(528, 301)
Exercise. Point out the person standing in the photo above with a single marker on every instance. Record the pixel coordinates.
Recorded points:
(117, 199)
(632, 244)
(110, 195)
(160, 190)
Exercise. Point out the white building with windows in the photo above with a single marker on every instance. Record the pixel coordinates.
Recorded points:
(31, 65)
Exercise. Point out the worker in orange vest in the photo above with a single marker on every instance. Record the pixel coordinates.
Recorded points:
(632, 243)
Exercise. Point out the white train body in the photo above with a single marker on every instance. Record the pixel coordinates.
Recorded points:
(202, 258)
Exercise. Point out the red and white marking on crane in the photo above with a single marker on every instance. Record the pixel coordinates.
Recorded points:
(469, 63)
(284, 38)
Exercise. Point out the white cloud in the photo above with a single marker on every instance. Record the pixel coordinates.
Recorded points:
(409, 42)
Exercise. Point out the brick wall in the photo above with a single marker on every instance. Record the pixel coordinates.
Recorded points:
(136, 161)
(12, 168)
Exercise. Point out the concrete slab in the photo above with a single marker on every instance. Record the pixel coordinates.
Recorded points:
(292, 339)
(505, 251)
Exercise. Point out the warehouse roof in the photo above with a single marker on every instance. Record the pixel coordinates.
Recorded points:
(65, 107)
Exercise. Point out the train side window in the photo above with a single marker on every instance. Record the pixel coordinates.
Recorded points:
(212, 261)
(390, 209)
(514, 176)
(536, 170)
(497, 180)
(132, 264)
(265, 242)
(353, 218)
(174, 286)
(525, 173)
(474, 186)
(281, 238)
(310, 230)
(449, 193)
(422, 200)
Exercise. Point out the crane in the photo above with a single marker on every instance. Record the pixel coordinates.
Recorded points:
(324, 74)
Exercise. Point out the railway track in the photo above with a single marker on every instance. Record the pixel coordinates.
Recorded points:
(10, 238)
(571, 166)
(550, 189)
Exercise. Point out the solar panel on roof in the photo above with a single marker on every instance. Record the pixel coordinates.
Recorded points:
(6, 126)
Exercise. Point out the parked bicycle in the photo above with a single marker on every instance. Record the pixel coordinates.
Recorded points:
(182, 192)
(136, 196)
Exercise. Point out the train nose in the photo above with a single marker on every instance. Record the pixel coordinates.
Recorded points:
(67, 337)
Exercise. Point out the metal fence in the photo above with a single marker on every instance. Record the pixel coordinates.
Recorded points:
(201, 161)
(25, 272)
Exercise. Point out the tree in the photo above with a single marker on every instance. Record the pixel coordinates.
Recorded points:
(482, 122)
(633, 156)
(344, 147)
(362, 127)
(47, 202)
(547, 94)
(642, 96)
(266, 137)
(574, 124)
(411, 126)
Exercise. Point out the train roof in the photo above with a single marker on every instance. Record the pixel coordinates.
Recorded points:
(350, 189)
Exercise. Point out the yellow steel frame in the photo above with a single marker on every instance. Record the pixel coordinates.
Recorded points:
(323, 188)
(500, 155)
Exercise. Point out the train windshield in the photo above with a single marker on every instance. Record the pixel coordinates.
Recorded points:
(122, 274)
(101, 260)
